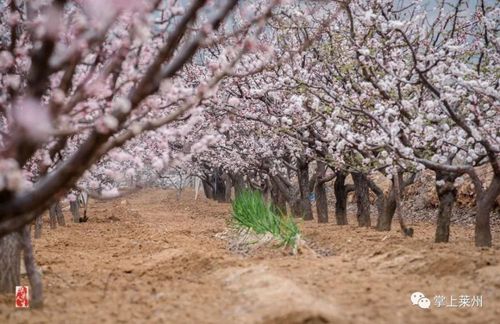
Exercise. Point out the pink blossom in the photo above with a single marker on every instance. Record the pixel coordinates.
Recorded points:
(6, 60)
(110, 193)
(233, 101)
(13, 18)
(33, 119)
(12, 81)
(177, 10)
(158, 164)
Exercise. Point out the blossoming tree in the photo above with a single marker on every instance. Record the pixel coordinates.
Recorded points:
(82, 78)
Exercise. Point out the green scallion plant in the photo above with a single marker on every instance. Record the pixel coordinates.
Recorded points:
(251, 212)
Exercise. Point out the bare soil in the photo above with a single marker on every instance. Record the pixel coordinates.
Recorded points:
(150, 258)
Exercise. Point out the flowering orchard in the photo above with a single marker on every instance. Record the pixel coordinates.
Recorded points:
(92, 87)
(365, 88)
(278, 96)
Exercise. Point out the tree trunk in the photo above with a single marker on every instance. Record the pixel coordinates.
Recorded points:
(447, 194)
(386, 206)
(303, 176)
(362, 198)
(296, 207)
(207, 189)
(228, 188)
(34, 275)
(386, 203)
(267, 193)
(340, 198)
(321, 203)
(281, 203)
(484, 204)
(396, 176)
(53, 216)
(320, 191)
(38, 226)
(278, 199)
(59, 214)
(215, 186)
(75, 210)
(238, 183)
(274, 199)
(220, 188)
(482, 229)
(10, 262)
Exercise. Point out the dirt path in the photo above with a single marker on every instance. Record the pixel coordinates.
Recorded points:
(153, 259)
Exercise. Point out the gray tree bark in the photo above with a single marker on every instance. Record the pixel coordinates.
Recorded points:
(362, 199)
(447, 194)
(34, 275)
(484, 205)
(320, 192)
(207, 189)
(278, 199)
(303, 177)
(59, 214)
(10, 262)
(53, 216)
(238, 183)
(341, 192)
(74, 206)
(38, 226)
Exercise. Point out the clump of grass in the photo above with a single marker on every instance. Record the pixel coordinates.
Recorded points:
(251, 212)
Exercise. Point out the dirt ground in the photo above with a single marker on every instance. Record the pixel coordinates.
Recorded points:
(149, 258)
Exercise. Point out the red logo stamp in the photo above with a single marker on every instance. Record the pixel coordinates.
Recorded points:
(22, 297)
